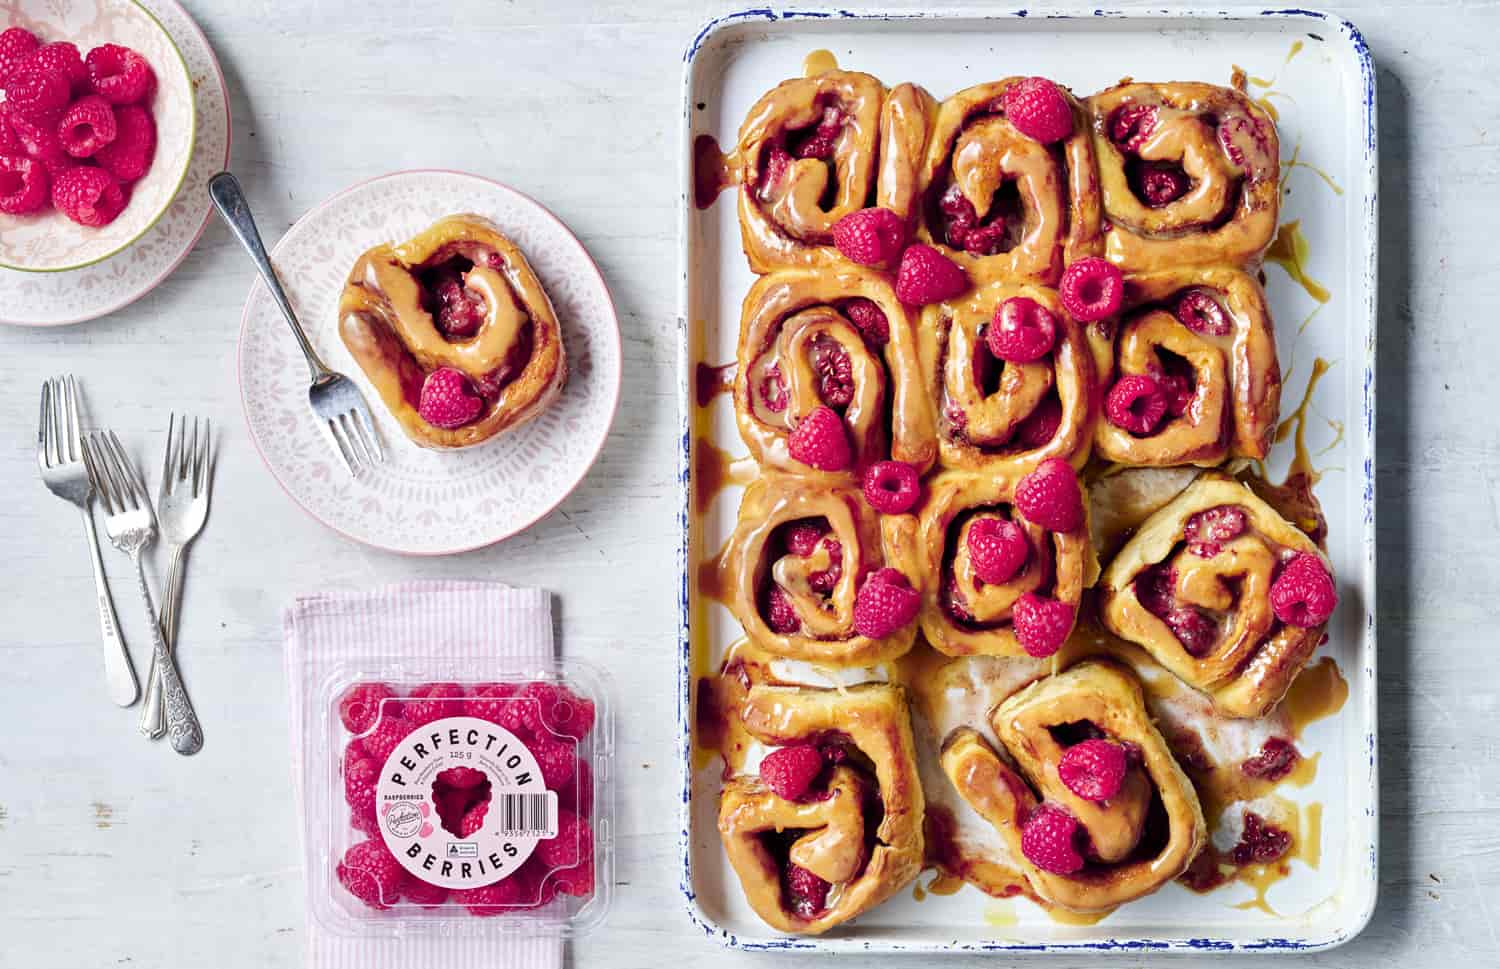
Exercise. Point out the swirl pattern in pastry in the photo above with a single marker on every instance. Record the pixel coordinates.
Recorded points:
(1204, 337)
(799, 553)
(1189, 173)
(961, 613)
(1132, 843)
(510, 347)
(1193, 587)
(861, 833)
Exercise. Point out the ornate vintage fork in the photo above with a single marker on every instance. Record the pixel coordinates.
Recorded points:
(60, 456)
(335, 399)
(181, 509)
(131, 526)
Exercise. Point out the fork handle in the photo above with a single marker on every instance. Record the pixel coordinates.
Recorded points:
(183, 730)
(153, 716)
(224, 189)
(119, 674)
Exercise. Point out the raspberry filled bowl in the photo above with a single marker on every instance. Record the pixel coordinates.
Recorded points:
(97, 124)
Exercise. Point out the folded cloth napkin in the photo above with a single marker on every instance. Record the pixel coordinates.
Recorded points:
(440, 620)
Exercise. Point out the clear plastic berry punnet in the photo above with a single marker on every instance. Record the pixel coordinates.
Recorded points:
(459, 797)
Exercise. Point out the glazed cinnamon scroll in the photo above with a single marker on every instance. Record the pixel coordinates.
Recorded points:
(838, 339)
(1095, 852)
(1004, 417)
(796, 560)
(962, 614)
(859, 835)
(1203, 340)
(1196, 586)
(813, 150)
(1189, 175)
(458, 296)
(1001, 204)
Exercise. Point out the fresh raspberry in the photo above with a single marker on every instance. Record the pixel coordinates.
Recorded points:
(819, 441)
(1042, 625)
(129, 156)
(773, 390)
(1201, 313)
(538, 888)
(573, 845)
(556, 758)
(1023, 330)
(825, 579)
(448, 399)
(1131, 125)
(365, 820)
(372, 874)
(120, 75)
(822, 140)
(460, 311)
(927, 276)
(1047, 840)
(489, 702)
(835, 373)
(61, 57)
(434, 701)
(1051, 497)
(473, 819)
(870, 319)
(1136, 403)
(959, 215)
(388, 733)
(1275, 760)
(1303, 595)
(1218, 524)
(89, 196)
(1093, 769)
(807, 893)
(506, 895)
(23, 185)
(578, 794)
(1158, 183)
(1040, 426)
(39, 140)
(884, 604)
(781, 616)
(1091, 289)
(1039, 110)
(363, 703)
(36, 93)
(1197, 632)
(360, 776)
(16, 44)
(892, 487)
(870, 237)
(425, 894)
(1260, 842)
(577, 881)
(802, 537)
(998, 548)
(792, 771)
(10, 144)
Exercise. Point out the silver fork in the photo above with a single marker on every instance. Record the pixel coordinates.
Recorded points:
(335, 399)
(131, 526)
(60, 456)
(181, 509)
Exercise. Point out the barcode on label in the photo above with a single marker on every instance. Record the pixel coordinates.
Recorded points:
(527, 815)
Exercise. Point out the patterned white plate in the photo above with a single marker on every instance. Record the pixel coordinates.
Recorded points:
(422, 502)
(56, 298)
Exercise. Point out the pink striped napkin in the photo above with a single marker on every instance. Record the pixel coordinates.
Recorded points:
(443, 620)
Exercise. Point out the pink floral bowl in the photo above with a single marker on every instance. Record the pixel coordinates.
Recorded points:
(49, 241)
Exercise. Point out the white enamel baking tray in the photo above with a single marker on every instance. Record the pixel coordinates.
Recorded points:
(1325, 95)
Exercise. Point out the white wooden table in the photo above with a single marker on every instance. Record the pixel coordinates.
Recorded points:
(113, 851)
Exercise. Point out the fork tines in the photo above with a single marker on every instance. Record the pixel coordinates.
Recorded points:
(357, 441)
(186, 459)
(120, 486)
(58, 437)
